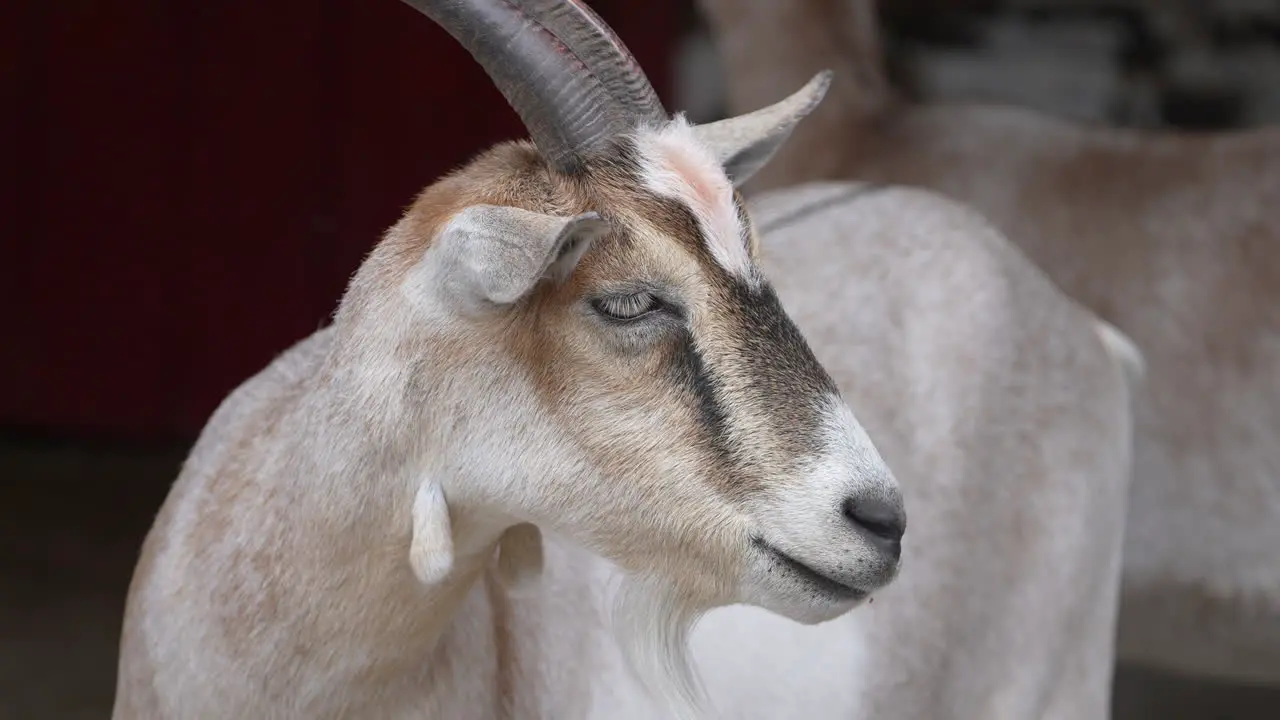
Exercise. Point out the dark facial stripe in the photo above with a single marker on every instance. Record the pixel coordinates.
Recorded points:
(781, 365)
(782, 379)
(689, 370)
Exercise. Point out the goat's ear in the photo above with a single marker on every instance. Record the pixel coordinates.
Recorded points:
(520, 554)
(499, 253)
(743, 144)
(431, 546)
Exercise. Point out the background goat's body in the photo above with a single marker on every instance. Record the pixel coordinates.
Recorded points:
(1173, 238)
(989, 390)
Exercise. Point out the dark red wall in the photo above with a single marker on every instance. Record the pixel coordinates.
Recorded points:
(186, 187)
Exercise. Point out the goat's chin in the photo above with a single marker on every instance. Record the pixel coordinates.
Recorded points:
(806, 610)
(652, 623)
(798, 602)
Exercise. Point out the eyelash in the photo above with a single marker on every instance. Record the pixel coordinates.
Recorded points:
(624, 308)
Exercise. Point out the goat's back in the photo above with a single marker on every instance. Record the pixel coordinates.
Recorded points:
(998, 402)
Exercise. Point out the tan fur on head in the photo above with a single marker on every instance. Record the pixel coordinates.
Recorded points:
(650, 240)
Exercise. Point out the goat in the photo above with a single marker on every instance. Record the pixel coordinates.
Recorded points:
(1173, 238)
(572, 335)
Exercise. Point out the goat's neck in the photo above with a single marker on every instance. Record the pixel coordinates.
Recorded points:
(475, 540)
(381, 456)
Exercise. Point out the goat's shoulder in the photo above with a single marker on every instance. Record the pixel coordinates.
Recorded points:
(257, 402)
(223, 461)
(185, 555)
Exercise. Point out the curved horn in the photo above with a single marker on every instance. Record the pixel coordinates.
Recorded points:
(567, 109)
(604, 54)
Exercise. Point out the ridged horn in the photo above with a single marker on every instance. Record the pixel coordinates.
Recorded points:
(604, 54)
(555, 63)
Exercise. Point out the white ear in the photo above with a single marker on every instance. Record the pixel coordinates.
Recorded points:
(520, 555)
(499, 253)
(431, 547)
(743, 144)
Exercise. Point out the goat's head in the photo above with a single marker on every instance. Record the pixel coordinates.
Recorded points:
(594, 349)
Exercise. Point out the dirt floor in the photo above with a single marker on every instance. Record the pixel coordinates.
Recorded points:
(72, 516)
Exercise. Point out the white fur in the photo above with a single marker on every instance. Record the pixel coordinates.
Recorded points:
(431, 546)
(850, 467)
(677, 166)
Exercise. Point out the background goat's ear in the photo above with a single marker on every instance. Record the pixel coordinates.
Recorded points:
(500, 252)
(745, 143)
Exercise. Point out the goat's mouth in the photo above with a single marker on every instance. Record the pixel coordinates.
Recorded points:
(824, 583)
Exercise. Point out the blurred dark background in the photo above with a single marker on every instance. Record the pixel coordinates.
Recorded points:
(186, 188)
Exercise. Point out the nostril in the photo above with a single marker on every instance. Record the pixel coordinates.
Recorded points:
(884, 520)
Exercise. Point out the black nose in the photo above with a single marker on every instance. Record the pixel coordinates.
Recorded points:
(881, 521)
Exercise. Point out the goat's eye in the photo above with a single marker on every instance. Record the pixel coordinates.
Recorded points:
(625, 307)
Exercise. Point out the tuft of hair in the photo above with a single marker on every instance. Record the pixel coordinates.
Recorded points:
(652, 621)
(675, 164)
